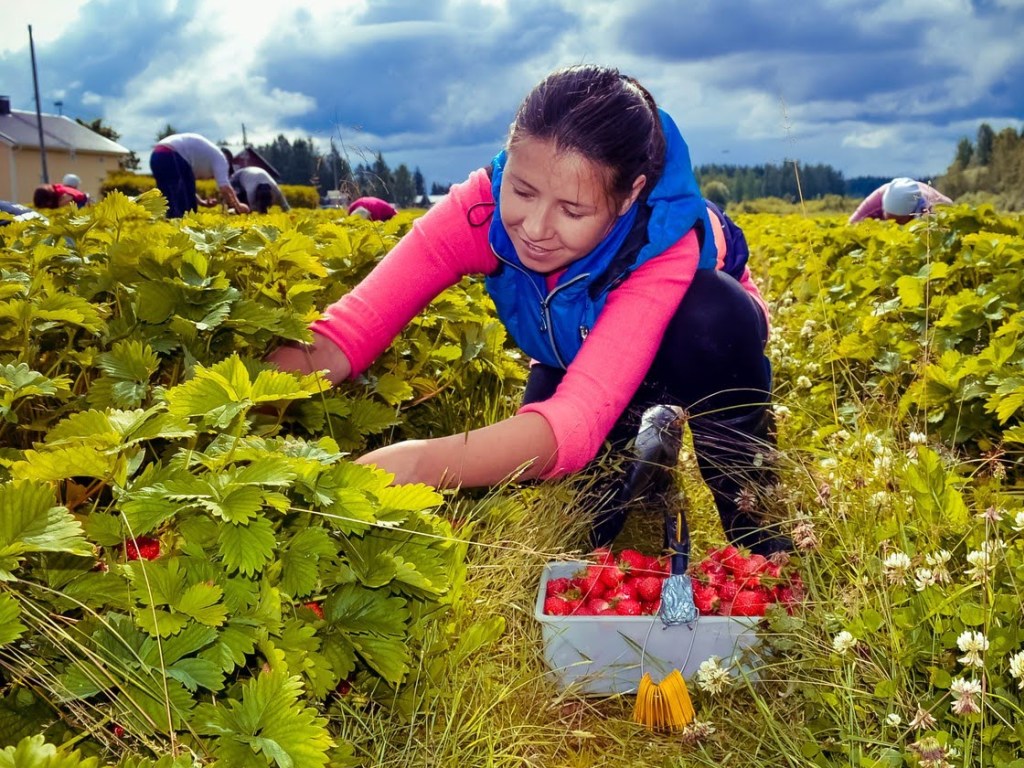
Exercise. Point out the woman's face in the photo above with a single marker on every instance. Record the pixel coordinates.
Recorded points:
(554, 205)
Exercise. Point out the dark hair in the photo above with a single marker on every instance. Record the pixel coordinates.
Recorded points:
(264, 197)
(605, 116)
(230, 158)
(46, 196)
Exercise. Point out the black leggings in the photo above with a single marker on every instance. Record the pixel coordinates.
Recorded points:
(711, 360)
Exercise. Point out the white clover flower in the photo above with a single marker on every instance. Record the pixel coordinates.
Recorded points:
(843, 643)
(981, 561)
(1017, 668)
(882, 463)
(917, 438)
(842, 436)
(712, 677)
(1018, 522)
(964, 694)
(893, 720)
(781, 412)
(803, 382)
(808, 329)
(880, 499)
(973, 644)
(923, 720)
(924, 578)
(896, 567)
(829, 462)
(937, 562)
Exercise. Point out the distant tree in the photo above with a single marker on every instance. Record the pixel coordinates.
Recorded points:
(131, 161)
(382, 180)
(439, 189)
(166, 131)
(403, 191)
(717, 193)
(983, 145)
(964, 151)
(297, 161)
(419, 183)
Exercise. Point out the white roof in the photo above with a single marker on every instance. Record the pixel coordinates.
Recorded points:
(20, 128)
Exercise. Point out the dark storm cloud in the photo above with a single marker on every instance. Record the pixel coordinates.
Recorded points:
(396, 76)
(109, 45)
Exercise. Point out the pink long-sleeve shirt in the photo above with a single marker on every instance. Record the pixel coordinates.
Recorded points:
(599, 383)
(871, 206)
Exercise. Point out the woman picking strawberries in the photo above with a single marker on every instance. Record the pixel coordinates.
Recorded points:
(608, 270)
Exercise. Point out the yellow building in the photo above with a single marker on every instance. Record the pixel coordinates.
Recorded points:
(70, 148)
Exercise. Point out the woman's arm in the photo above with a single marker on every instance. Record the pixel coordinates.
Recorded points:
(482, 457)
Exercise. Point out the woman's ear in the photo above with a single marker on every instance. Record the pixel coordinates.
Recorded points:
(638, 186)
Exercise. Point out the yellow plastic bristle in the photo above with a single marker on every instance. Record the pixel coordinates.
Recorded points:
(665, 706)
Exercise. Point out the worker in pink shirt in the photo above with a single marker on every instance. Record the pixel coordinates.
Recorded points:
(372, 208)
(610, 271)
(900, 200)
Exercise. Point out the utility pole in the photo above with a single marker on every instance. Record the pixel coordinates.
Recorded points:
(245, 141)
(39, 112)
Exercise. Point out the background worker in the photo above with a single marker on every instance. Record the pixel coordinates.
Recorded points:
(900, 200)
(257, 189)
(181, 158)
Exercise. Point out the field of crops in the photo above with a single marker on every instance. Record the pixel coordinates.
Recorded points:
(192, 572)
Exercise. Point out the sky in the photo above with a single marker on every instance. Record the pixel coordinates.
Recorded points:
(872, 87)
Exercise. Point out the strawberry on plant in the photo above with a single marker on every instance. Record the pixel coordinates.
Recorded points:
(316, 608)
(143, 547)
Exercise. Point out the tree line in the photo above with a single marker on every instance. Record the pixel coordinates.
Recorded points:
(992, 165)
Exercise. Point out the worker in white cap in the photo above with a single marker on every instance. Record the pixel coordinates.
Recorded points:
(900, 200)
(72, 180)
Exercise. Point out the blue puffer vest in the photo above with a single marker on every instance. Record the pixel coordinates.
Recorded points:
(550, 326)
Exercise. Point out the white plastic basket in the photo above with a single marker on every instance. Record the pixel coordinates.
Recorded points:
(603, 655)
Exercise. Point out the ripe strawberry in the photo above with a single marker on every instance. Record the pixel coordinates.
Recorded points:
(316, 608)
(628, 608)
(119, 731)
(651, 608)
(711, 567)
(724, 555)
(648, 588)
(588, 582)
(633, 562)
(706, 599)
(602, 556)
(727, 590)
(749, 602)
(557, 587)
(344, 687)
(625, 591)
(143, 547)
(572, 607)
(596, 607)
(556, 606)
(747, 571)
(612, 575)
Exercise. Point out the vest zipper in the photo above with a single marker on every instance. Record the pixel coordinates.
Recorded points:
(545, 315)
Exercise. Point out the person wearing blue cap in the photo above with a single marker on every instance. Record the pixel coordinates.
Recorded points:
(899, 200)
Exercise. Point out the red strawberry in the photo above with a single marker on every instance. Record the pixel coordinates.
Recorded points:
(612, 575)
(344, 687)
(571, 606)
(651, 608)
(316, 608)
(749, 602)
(144, 547)
(628, 608)
(648, 588)
(556, 606)
(747, 571)
(725, 554)
(597, 606)
(633, 562)
(727, 590)
(557, 587)
(625, 591)
(711, 567)
(119, 731)
(706, 599)
(588, 582)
